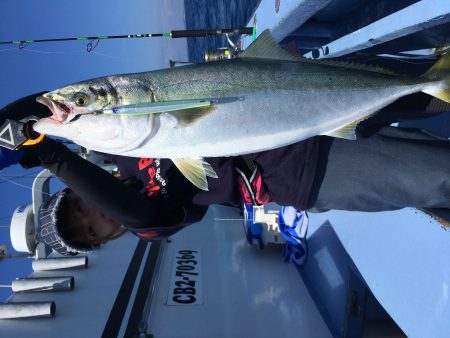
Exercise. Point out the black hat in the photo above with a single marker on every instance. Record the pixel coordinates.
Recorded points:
(48, 232)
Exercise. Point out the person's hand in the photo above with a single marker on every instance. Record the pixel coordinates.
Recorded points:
(24, 107)
(9, 157)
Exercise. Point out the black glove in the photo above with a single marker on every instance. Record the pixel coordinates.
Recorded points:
(20, 110)
(24, 107)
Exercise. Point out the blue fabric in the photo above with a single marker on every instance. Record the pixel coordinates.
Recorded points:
(253, 231)
(293, 225)
(294, 253)
(9, 157)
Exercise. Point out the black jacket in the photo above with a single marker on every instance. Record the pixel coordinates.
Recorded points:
(287, 175)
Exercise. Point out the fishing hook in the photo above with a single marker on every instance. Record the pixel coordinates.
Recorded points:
(92, 45)
(22, 45)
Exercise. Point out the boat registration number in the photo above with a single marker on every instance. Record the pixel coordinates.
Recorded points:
(186, 282)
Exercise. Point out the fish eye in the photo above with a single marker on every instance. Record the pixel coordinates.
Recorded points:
(81, 99)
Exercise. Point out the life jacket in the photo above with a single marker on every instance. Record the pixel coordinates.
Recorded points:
(250, 182)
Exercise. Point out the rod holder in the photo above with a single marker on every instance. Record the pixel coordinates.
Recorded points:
(60, 263)
(39, 284)
(27, 310)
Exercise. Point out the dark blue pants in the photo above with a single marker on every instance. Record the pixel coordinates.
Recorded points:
(391, 169)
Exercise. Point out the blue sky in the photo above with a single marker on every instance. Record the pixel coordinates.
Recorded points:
(47, 66)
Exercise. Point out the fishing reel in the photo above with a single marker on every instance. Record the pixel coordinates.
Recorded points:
(16, 134)
(219, 54)
(224, 53)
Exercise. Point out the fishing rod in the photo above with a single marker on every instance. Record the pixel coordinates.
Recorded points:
(172, 34)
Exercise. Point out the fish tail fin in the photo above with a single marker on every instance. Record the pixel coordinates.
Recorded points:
(440, 71)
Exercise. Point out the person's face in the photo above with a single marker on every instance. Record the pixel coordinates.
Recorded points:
(93, 225)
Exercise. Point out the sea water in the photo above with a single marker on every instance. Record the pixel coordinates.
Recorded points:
(214, 14)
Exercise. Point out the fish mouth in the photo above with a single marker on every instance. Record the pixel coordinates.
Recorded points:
(60, 111)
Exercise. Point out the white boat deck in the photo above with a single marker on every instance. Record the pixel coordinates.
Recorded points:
(245, 292)
(403, 257)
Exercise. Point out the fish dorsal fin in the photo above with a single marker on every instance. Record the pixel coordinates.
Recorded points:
(264, 47)
(351, 65)
(196, 170)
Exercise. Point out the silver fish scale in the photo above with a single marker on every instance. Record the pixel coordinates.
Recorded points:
(262, 105)
(234, 77)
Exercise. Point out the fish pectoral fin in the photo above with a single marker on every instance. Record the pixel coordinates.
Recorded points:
(196, 170)
(186, 117)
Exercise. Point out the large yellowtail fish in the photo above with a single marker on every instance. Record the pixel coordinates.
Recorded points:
(264, 99)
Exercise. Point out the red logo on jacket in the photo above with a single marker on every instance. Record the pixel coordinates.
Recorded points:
(155, 182)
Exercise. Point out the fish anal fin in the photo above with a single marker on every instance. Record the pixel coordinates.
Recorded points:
(264, 47)
(196, 170)
(348, 131)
